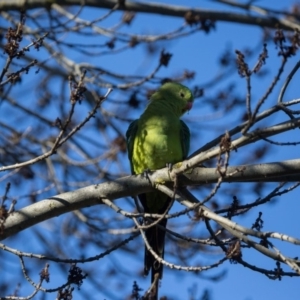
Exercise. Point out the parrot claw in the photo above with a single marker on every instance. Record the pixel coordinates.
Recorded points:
(169, 166)
(146, 173)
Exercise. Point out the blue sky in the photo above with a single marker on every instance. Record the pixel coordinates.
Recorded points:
(199, 53)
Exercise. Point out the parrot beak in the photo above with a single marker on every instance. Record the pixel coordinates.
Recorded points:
(188, 106)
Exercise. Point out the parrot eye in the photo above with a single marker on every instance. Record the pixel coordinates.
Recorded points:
(181, 94)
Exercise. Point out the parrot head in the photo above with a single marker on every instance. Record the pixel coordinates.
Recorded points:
(178, 96)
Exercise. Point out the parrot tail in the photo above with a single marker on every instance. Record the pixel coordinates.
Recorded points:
(156, 239)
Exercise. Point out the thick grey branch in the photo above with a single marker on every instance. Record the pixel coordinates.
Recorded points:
(133, 185)
(288, 171)
(153, 8)
(66, 202)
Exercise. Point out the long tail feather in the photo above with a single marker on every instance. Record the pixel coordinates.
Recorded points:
(156, 239)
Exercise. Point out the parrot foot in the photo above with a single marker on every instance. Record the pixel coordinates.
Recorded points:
(169, 166)
(146, 173)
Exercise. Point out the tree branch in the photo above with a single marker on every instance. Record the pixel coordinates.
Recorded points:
(134, 185)
(158, 8)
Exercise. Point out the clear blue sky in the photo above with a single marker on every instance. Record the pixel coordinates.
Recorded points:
(199, 53)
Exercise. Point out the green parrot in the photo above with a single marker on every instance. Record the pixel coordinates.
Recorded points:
(156, 139)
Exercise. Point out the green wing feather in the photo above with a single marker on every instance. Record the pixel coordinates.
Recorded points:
(130, 136)
(185, 139)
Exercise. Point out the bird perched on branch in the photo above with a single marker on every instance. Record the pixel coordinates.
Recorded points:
(154, 140)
